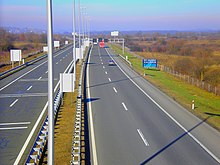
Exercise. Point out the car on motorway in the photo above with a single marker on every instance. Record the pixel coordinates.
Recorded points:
(111, 63)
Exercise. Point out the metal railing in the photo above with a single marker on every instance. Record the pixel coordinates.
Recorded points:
(41, 140)
(9, 72)
(76, 144)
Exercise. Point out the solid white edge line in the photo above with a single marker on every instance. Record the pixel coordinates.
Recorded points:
(143, 138)
(29, 71)
(183, 128)
(12, 104)
(115, 90)
(19, 123)
(94, 152)
(21, 76)
(124, 106)
(13, 128)
(29, 88)
(33, 129)
(30, 135)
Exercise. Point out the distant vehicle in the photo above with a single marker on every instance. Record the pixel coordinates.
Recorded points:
(101, 44)
(111, 63)
(95, 41)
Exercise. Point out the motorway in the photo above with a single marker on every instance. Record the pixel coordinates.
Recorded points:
(23, 97)
(132, 122)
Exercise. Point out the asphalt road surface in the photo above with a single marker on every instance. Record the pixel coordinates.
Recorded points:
(23, 97)
(135, 123)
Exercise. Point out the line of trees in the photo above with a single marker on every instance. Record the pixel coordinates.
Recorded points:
(7, 39)
(197, 56)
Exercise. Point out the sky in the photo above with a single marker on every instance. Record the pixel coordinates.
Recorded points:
(108, 15)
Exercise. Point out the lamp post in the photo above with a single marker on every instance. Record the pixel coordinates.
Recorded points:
(74, 38)
(79, 27)
(83, 22)
(50, 84)
(88, 28)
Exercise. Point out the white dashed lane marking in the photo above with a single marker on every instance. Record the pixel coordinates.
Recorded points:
(124, 106)
(115, 89)
(29, 88)
(12, 104)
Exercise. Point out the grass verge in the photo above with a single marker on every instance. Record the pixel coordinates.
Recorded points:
(64, 127)
(8, 67)
(207, 104)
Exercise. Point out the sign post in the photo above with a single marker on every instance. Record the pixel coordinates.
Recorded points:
(15, 55)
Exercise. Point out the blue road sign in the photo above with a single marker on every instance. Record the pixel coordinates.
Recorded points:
(149, 63)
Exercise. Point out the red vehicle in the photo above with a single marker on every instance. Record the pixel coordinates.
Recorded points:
(102, 44)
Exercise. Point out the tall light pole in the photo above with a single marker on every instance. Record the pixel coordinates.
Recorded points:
(83, 22)
(88, 28)
(50, 84)
(79, 27)
(74, 38)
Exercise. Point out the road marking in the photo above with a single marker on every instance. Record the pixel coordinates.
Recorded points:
(63, 57)
(13, 128)
(28, 80)
(109, 79)
(171, 117)
(103, 67)
(57, 63)
(35, 127)
(60, 60)
(101, 59)
(143, 138)
(106, 72)
(23, 95)
(12, 104)
(46, 72)
(102, 63)
(19, 123)
(29, 72)
(39, 78)
(115, 90)
(124, 106)
(22, 76)
(29, 88)
(93, 143)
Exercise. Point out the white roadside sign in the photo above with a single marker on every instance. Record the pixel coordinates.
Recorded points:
(67, 82)
(15, 55)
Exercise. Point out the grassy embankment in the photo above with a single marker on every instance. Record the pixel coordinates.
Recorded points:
(207, 104)
(5, 56)
(63, 129)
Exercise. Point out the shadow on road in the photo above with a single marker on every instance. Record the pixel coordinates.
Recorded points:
(112, 82)
(91, 99)
(173, 142)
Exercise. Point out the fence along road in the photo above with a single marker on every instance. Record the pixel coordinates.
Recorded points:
(134, 123)
(22, 99)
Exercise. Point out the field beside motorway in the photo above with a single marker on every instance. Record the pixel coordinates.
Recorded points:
(207, 104)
